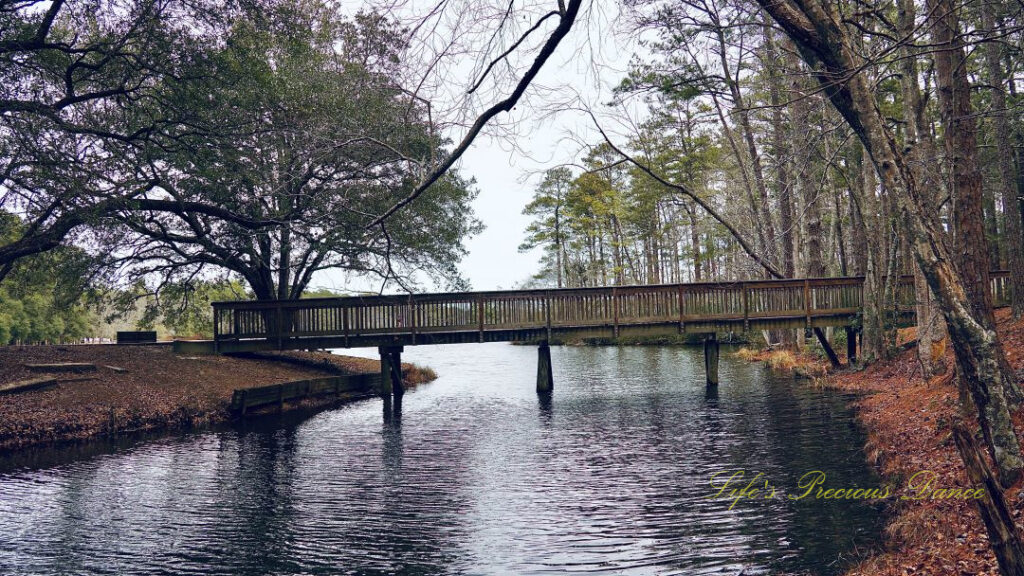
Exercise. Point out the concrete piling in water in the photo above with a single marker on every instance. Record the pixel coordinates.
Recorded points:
(397, 386)
(391, 371)
(711, 359)
(545, 379)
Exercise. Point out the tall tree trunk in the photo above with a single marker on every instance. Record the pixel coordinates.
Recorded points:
(695, 245)
(814, 265)
(783, 181)
(558, 246)
(284, 262)
(931, 332)
(844, 266)
(756, 211)
(858, 234)
(763, 212)
(960, 140)
(1007, 181)
(873, 325)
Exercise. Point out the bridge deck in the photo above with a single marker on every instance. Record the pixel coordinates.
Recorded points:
(540, 314)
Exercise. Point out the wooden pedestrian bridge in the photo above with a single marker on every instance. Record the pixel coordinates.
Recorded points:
(708, 308)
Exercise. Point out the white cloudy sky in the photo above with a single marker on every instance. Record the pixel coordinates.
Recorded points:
(508, 166)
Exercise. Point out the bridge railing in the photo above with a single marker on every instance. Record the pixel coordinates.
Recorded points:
(555, 308)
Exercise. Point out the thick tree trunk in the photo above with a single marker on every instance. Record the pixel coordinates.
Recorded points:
(876, 262)
(931, 332)
(837, 215)
(813, 253)
(826, 47)
(1003, 533)
(960, 140)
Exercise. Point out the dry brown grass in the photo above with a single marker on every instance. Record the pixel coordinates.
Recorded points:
(747, 354)
(784, 361)
(414, 374)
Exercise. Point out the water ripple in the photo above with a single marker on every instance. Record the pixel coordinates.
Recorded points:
(477, 476)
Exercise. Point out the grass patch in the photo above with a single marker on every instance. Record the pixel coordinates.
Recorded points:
(414, 374)
(747, 354)
(785, 362)
(782, 360)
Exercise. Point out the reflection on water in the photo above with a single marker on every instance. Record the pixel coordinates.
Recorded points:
(474, 473)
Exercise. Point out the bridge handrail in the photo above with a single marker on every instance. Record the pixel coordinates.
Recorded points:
(552, 308)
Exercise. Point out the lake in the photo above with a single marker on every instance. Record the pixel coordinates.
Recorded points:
(473, 474)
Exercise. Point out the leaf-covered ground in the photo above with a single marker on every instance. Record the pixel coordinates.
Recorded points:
(907, 420)
(157, 389)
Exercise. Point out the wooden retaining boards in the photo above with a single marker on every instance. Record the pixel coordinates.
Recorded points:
(193, 347)
(247, 398)
(74, 367)
(30, 384)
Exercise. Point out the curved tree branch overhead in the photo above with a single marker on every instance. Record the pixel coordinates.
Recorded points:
(567, 14)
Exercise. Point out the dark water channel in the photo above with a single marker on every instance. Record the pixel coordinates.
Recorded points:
(611, 474)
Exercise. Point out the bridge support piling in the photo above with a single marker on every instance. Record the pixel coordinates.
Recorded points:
(391, 371)
(711, 359)
(851, 346)
(545, 378)
(823, 340)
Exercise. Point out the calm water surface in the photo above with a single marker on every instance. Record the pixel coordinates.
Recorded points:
(476, 475)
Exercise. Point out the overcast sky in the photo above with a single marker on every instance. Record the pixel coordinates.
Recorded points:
(508, 168)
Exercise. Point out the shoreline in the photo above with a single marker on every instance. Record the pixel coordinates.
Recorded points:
(142, 390)
(907, 423)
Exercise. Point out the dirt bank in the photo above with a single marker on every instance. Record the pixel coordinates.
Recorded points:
(146, 388)
(908, 425)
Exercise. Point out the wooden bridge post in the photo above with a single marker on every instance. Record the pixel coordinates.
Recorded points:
(746, 308)
(279, 328)
(851, 345)
(397, 387)
(807, 301)
(711, 359)
(391, 371)
(682, 308)
(545, 378)
(216, 329)
(615, 311)
(480, 315)
(547, 320)
(413, 322)
(344, 322)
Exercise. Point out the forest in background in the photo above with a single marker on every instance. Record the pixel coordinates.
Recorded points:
(741, 168)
